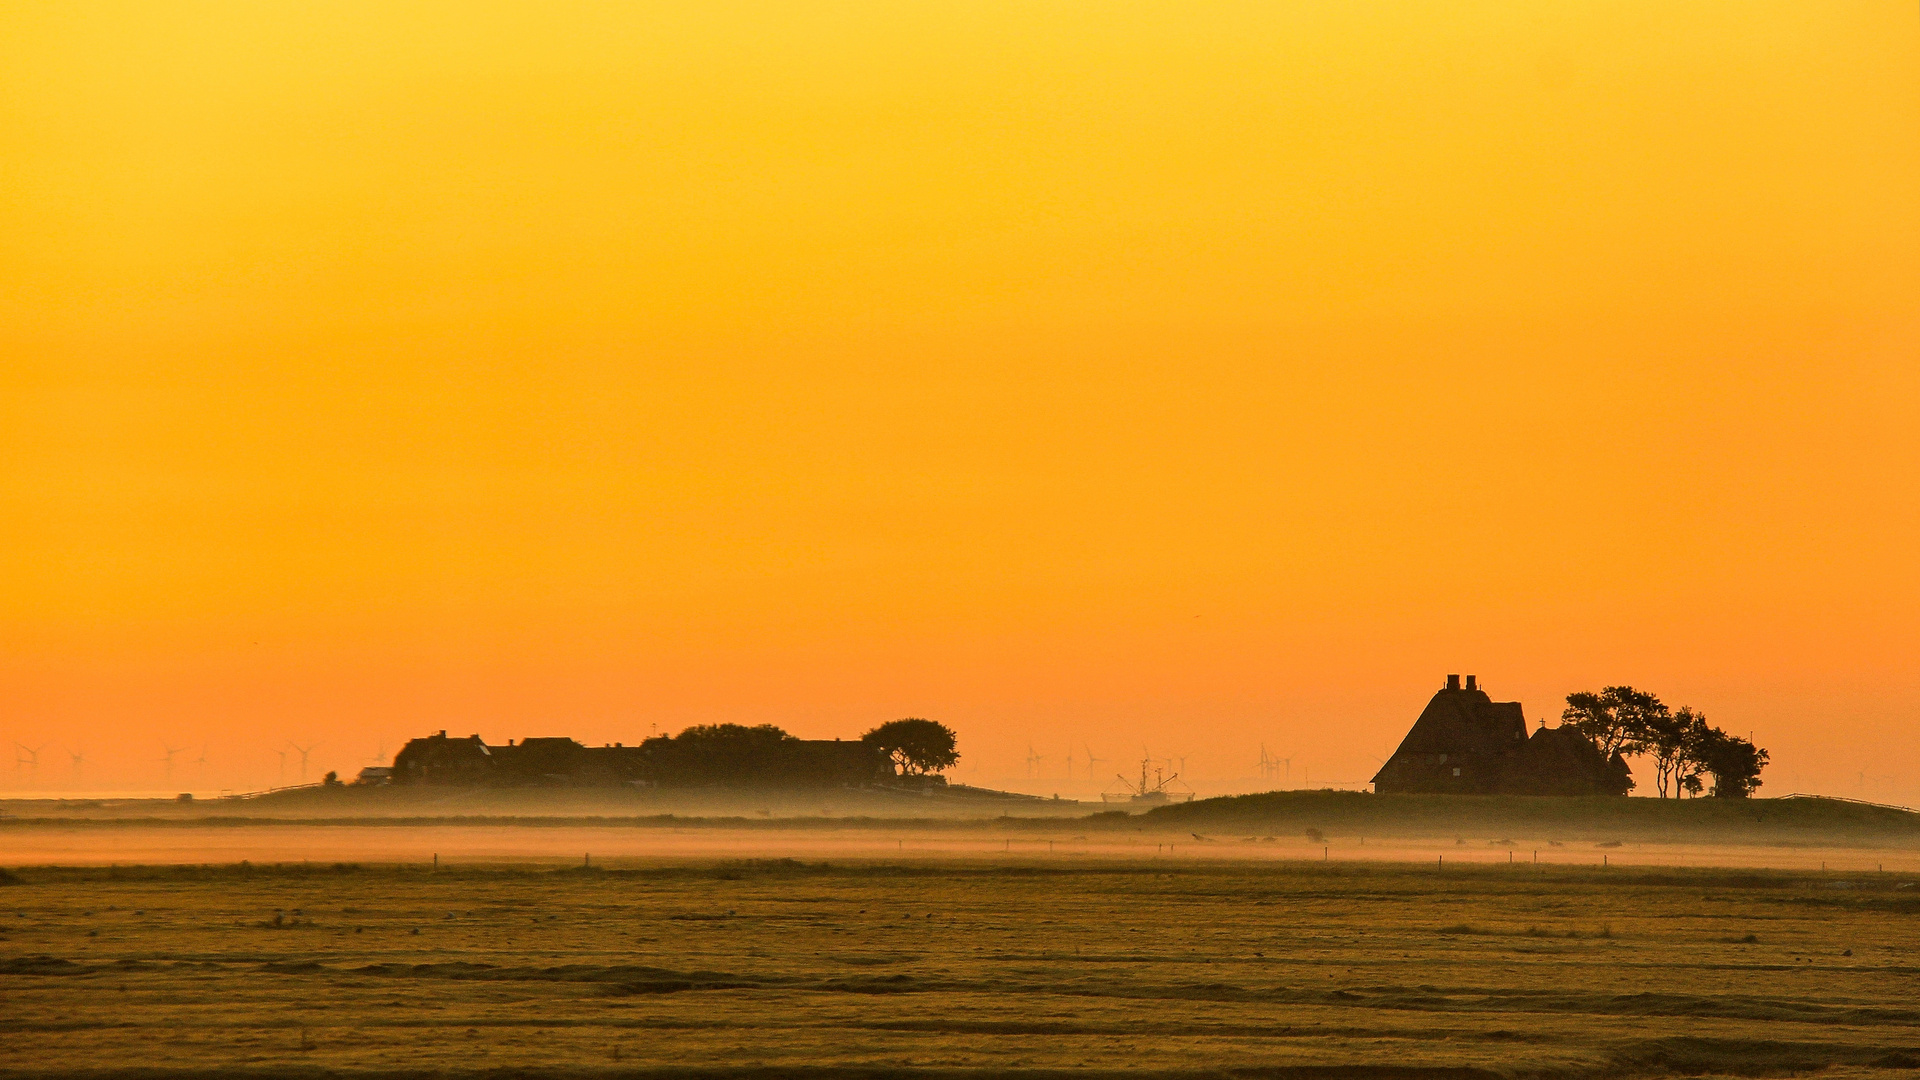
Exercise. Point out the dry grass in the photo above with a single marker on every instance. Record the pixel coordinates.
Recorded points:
(775, 969)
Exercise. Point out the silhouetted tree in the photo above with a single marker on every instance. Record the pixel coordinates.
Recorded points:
(728, 754)
(1675, 747)
(1734, 762)
(915, 746)
(1619, 719)
(1692, 767)
(1685, 748)
(1672, 739)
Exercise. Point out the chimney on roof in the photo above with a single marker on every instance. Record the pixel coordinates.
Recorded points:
(1471, 681)
(1453, 682)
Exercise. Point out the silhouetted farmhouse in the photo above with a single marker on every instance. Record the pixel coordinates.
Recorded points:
(722, 756)
(1466, 743)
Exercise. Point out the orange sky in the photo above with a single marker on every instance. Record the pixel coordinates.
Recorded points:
(1188, 375)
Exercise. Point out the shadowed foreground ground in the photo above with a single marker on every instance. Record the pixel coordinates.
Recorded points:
(784, 969)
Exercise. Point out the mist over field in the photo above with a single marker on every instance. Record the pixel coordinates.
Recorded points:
(342, 931)
(547, 827)
(628, 848)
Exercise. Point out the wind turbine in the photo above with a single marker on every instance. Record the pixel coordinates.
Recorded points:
(28, 756)
(1033, 759)
(303, 751)
(1069, 761)
(1091, 760)
(79, 759)
(168, 759)
(283, 766)
(202, 761)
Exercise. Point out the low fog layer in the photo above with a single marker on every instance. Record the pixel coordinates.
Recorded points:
(1052, 843)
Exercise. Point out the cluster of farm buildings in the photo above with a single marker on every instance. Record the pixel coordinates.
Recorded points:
(661, 761)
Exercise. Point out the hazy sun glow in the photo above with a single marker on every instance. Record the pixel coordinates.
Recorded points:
(1188, 375)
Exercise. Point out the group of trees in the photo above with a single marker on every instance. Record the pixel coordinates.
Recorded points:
(725, 755)
(737, 755)
(1685, 749)
(915, 746)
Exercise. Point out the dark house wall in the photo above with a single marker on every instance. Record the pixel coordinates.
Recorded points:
(562, 761)
(836, 763)
(751, 757)
(1561, 761)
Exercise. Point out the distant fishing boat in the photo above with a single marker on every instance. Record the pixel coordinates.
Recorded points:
(1156, 790)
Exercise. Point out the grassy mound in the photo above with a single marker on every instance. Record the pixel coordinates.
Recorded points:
(1350, 813)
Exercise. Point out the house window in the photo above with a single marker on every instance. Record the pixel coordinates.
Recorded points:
(1456, 772)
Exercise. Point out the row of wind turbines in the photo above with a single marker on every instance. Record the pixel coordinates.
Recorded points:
(26, 759)
(1271, 767)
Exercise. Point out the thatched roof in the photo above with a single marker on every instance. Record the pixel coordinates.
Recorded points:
(1464, 721)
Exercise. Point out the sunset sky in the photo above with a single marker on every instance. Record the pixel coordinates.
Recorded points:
(1188, 375)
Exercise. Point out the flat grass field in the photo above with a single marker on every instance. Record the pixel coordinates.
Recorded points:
(955, 967)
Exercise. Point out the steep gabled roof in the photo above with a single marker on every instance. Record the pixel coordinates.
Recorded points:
(1459, 721)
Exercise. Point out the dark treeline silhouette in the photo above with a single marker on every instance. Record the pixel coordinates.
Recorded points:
(1685, 749)
(733, 755)
(907, 751)
(724, 754)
